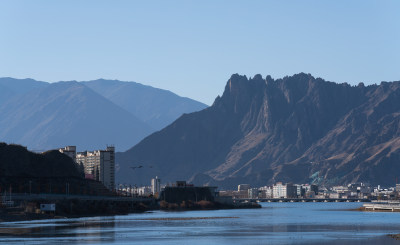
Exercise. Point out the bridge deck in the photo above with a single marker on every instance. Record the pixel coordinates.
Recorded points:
(302, 200)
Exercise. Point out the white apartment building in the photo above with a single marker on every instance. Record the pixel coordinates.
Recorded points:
(279, 190)
(99, 165)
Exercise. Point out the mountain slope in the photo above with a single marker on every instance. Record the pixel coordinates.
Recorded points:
(5, 94)
(45, 116)
(298, 129)
(10, 87)
(21, 86)
(68, 113)
(156, 107)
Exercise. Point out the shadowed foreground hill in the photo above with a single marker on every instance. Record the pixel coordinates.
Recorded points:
(298, 129)
(49, 172)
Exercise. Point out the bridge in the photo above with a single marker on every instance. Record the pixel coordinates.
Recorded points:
(302, 200)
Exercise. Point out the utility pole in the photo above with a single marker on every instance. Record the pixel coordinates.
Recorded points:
(67, 189)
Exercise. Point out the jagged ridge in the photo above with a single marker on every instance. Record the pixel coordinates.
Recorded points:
(299, 128)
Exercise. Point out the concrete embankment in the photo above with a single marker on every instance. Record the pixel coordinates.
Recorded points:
(381, 207)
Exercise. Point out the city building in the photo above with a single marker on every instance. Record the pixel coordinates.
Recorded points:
(143, 190)
(300, 191)
(155, 186)
(188, 192)
(291, 190)
(279, 190)
(253, 193)
(99, 165)
(243, 187)
(284, 191)
(265, 192)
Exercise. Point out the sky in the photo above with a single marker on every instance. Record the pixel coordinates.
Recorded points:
(193, 47)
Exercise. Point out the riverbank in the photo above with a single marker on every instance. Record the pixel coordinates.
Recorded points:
(72, 208)
(76, 208)
(21, 215)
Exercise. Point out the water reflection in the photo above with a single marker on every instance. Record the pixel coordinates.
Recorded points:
(90, 230)
(275, 223)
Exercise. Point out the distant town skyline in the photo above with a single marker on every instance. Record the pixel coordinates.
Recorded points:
(191, 48)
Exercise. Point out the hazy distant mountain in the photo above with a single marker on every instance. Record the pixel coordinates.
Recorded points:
(68, 113)
(10, 87)
(21, 86)
(296, 129)
(5, 94)
(154, 106)
(43, 116)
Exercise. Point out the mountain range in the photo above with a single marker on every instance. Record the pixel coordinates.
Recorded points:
(297, 129)
(89, 114)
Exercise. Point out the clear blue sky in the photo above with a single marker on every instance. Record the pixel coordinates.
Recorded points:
(192, 47)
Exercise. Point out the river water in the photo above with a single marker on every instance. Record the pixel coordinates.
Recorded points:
(275, 223)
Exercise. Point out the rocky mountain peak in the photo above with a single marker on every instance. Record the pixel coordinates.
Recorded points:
(264, 130)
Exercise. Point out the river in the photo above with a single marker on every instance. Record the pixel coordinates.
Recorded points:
(274, 223)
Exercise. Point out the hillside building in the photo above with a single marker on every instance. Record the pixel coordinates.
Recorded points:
(69, 151)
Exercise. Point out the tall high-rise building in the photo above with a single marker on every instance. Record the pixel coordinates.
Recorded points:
(155, 185)
(99, 165)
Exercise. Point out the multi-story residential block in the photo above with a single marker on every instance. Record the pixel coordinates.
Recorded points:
(99, 165)
(284, 191)
(253, 193)
(279, 190)
(300, 191)
(265, 192)
(291, 190)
